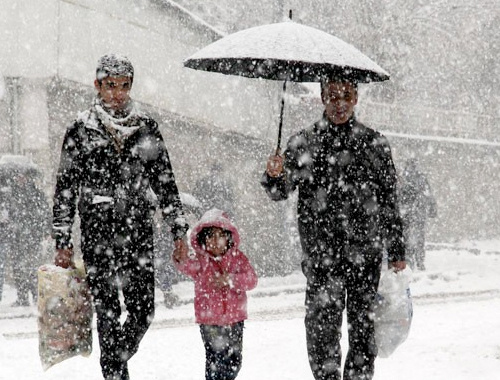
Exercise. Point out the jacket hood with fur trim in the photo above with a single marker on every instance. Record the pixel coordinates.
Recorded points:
(215, 305)
(214, 218)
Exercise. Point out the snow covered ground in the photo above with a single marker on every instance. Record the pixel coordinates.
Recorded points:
(455, 332)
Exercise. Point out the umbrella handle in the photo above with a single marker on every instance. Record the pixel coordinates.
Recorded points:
(280, 126)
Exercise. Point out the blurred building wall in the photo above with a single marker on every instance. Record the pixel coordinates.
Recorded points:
(50, 52)
(65, 38)
(464, 173)
(50, 49)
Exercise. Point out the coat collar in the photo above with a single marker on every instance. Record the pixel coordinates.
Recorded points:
(326, 126)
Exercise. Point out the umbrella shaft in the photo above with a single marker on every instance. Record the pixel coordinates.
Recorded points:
(281, 117)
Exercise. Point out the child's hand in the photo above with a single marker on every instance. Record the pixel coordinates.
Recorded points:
(220, 280)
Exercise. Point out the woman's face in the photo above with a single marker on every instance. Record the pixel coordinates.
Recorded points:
(216, 242)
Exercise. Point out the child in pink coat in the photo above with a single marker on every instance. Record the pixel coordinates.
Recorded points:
(222, 275)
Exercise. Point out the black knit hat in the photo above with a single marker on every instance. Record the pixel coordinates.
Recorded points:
(112, 65)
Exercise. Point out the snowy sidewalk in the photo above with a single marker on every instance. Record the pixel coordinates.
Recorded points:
(455, 331)
(454, 273)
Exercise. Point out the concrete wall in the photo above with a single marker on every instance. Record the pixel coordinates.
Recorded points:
(465, 178)
(49, 53)
(64, 38)
(51, 49)
(29, 38)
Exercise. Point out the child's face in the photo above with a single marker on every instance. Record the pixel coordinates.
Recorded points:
(216, 243)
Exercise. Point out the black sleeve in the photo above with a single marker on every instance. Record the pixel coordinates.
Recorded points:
(391, 224)
(162, 182)
(275, 186)
(278, 188)
(66, 189)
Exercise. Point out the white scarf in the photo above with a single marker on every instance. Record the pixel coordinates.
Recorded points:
(119, 128)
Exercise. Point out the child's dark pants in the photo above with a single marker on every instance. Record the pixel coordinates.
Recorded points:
(223, 350)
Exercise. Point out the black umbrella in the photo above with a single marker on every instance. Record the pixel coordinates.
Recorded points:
(286, 51)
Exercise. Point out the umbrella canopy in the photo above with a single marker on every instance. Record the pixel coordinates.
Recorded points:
(286, 51)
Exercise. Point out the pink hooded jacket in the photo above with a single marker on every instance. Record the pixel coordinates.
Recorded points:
(219, 306)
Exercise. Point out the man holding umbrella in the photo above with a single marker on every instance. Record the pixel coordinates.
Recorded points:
(347, 209)
(347, 217)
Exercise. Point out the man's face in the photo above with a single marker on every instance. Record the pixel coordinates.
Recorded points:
(339, 99)
(114, 91)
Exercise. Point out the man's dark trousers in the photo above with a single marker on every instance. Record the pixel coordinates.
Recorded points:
(346, 285)
(124, 262)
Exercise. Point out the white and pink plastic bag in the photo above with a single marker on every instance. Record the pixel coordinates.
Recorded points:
(64, 314)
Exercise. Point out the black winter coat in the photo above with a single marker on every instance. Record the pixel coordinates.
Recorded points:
(347, 194)
(24, 212)
(113, 184)
(416, 201)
